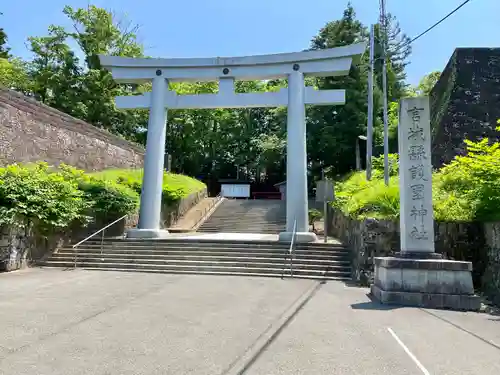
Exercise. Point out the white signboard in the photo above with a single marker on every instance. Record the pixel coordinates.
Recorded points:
(235, 191)
(415, 176)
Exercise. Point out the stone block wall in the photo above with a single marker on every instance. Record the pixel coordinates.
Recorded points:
(171, 213)
(478, 243)
(31, 131)
(18, 246)
(491, 278)
(465, 102)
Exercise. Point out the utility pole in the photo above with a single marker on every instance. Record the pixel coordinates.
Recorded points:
(369, 127)
(383, 25)
(358, 156)
(325, 206)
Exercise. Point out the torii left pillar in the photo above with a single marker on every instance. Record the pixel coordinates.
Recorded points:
(151, 196)
(296, 164)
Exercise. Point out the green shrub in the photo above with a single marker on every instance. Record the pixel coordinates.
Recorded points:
(52, 198)
(473, 180)
(467, 189)
(378, 165)
(110, 198)
(314, 215)
(105, 197)
(35, 196)
(373, 199)
(175, 186)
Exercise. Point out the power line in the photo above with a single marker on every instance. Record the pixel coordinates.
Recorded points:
(438, 22)
(422, 33)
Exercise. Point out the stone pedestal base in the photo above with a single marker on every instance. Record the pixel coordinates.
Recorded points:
(136, 233)
(431, 283)
(300, 237)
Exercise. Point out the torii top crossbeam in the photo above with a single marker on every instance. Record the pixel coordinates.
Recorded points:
(327, 62)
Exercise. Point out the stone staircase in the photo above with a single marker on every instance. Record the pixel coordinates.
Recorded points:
(209, 257)
(247, 216)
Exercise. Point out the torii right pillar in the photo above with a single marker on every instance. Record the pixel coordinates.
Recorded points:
(417, 275)
(297, 210)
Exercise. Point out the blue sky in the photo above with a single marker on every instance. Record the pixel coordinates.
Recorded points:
(198, 28)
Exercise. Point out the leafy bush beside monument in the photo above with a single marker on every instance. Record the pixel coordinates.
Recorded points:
(467, 189)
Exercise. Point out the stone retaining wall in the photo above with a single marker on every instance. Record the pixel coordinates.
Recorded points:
(31, 132)
(478, 243)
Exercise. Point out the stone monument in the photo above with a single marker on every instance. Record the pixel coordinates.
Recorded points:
(417, 276)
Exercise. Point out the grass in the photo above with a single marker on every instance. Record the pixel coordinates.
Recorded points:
(175, 186)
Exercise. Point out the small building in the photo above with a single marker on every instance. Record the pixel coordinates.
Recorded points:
(231, 188)
(281, 186)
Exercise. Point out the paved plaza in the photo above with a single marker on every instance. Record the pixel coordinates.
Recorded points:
(56, 322)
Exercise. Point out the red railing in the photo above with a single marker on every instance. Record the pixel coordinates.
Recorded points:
(266, 195)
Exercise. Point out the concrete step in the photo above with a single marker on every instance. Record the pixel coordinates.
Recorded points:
(243, 223)
(261, 257)
(224, 263)
(241, 230)
(183, 254)
(193, 248)
(199, 242)
(286, 274)
(246, 222)
(257, 228)
(200, 268)
(207, 256)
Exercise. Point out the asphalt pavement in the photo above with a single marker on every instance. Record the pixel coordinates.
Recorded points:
(89, 322)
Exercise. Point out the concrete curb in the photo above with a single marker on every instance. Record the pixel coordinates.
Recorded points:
(207, 215)
(243, 363)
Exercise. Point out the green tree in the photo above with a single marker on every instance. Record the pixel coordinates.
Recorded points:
(4, 49)
(55, 72)
(83, 89)
(332, 132)
(427, 83)
(398, 52)
(14, 75)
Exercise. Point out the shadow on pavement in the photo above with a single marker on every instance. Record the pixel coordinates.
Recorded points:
(373, 305)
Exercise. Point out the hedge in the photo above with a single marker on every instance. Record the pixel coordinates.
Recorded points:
(53, 199)
(467, 189)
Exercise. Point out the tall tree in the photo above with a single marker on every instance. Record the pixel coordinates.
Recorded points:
(332, 132)
(82, 88)
(55, 72)
(427, 83)
(4, 49)
(13, 75)
(397, 52)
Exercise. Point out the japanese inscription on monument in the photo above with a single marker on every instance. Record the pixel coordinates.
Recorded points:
(415, 176)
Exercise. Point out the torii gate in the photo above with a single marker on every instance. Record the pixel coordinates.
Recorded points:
(293, 66)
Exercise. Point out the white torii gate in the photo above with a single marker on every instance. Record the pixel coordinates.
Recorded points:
(293, 66)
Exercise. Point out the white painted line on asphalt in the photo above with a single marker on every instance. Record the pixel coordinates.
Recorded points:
(410, 354)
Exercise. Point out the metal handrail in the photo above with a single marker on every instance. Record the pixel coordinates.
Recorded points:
(217, 199)
(291, 249)
(93, 234)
